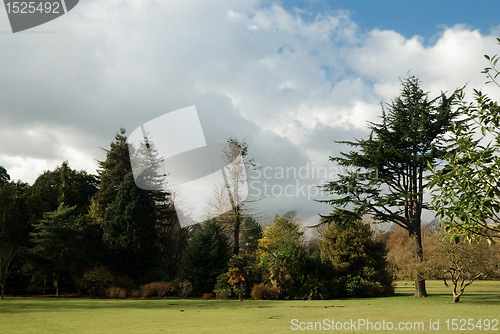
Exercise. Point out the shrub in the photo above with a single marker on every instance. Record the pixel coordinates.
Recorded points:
(136, 293)
(358, 287)
(125, 282)
(185, 289)
(115, 292)
(223, 288)
(96, 280)
(156, 289)
(264, 291)
(207, 296)
(314, 289)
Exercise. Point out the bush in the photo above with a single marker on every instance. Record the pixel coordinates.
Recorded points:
(223, 288)
(96, 281)
(185, 289)
(207, 296)
(125, 282)
(264, 291)
(314, 289)
(182, 288)
(156, 289)
(115, 292)
(358, 287)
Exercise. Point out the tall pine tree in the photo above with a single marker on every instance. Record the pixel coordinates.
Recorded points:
(129, 231)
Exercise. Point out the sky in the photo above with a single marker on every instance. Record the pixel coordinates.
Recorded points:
(290, 78)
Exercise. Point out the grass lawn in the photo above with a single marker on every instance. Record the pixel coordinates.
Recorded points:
(75, 315)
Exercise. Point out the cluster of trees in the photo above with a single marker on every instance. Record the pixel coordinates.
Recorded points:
(68, 222)
(74, 232)
(444, 146)
(281, 265)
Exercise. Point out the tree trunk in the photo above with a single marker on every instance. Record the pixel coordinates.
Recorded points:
(420, 288)
(456, 298)
(237, 224)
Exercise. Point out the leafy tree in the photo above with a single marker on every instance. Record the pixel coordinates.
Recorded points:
(75, 188)
(129, 231)
(57, 253)
(384, 177)
(283, 230)
(281, 256)
(205, 257)
(460, 264)
(466, 190)
(13, 226)
(349, 247)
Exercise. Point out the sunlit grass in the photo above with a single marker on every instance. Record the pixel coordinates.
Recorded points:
(75, 315)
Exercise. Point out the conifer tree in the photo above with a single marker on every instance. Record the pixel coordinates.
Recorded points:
(205, 257)
(111, 174)
(129, 231)
(384, 177)
(348, 246)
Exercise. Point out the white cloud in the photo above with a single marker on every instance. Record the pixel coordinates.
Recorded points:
(256, 72)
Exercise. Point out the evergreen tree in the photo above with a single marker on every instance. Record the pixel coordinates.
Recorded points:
(385, 176)
(75, 188)
(57, 253)
(4, 177)
(205, 257)
(251, 233)
(129, 231)
(348, 246)
(111, 174)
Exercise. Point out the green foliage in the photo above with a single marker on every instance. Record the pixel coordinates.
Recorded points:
(223, 289)
(350, 249)
(205, 257)
(129, 231)
(74, 188)
(466, 191)
(57, 246)
(96, 280)
(283, 230)
(385, 174)
(112, 172)
(4, 177)
(283, 268)
(251, 233)
(240, 272)
(13, 226)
